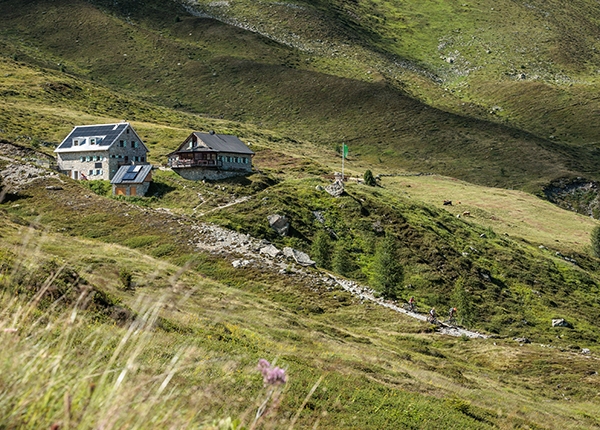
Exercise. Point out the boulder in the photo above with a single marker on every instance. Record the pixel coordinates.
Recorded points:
(522, 340)
(560, 322)
(319, 216)
(270, 250)
(279, 223)
(336, 189)
(240, 263)
(299, 257)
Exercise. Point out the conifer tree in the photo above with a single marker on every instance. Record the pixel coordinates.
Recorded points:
(341, 262)
(321, 250)
(388, 273)
(461, 300)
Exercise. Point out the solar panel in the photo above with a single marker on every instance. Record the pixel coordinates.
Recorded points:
(129, 176)
(131, 169)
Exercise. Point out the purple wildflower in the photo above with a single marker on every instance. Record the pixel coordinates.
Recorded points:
(271, 375)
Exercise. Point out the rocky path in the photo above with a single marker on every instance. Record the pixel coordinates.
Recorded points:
(244, 250)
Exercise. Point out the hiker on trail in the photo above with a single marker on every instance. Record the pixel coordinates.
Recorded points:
(411, 304)
(452, 313)
(432, 315)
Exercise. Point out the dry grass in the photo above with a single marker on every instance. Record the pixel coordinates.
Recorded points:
(516, 213)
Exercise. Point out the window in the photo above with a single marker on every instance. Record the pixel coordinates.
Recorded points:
(92, 140)
(91, 172)
(88, 158)
(100, 157)
(98, 165)
(75, 142)
(133, 144)
(122, 143)
(98, 171)
(143, 159)
(82, 158)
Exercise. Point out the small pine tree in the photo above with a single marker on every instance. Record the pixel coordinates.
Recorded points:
(321, 250)
(461, 299)
(341, 262)
(369, 178)
(388, 273)
(595, 239)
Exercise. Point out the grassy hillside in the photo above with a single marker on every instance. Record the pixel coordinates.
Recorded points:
(202, 325)
(113, 315)
(158, 54)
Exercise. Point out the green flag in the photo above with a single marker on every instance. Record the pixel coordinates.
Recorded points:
(345, 151)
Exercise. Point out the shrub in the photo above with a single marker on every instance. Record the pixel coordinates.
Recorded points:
(100, 187)
(125, 276)
(163, 250)
(369, 178)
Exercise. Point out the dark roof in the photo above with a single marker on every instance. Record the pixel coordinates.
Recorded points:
(108, 132)
(216, 143)
(133, 174)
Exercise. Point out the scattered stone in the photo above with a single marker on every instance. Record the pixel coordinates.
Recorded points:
(319, 216)
(560, 322)
(279, 223)
(585, 351)
(240, 263)
(299, 257)
(270, 250)
(447, 203)
(336, 189)
(319, 188)
(522, 340)
(54, 188)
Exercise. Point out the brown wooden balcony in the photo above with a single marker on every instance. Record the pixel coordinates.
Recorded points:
(183, 163)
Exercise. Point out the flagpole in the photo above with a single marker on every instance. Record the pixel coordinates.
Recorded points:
(343, 157)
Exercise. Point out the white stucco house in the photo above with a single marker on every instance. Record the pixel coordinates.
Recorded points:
(98, 151)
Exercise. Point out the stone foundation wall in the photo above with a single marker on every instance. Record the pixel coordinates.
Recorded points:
(198, 174)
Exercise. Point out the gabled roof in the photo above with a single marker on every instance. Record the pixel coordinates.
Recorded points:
(133, 174)
(105, 134)
(212, 142)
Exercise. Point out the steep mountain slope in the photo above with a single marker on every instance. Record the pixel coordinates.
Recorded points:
(202, 66)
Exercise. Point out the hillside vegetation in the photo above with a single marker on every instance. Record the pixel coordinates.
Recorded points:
(160, 54)
(203, 325)
(118, 313)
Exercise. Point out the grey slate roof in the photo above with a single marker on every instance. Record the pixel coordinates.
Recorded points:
(133, 174)
(212, 142)
(109, 133)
